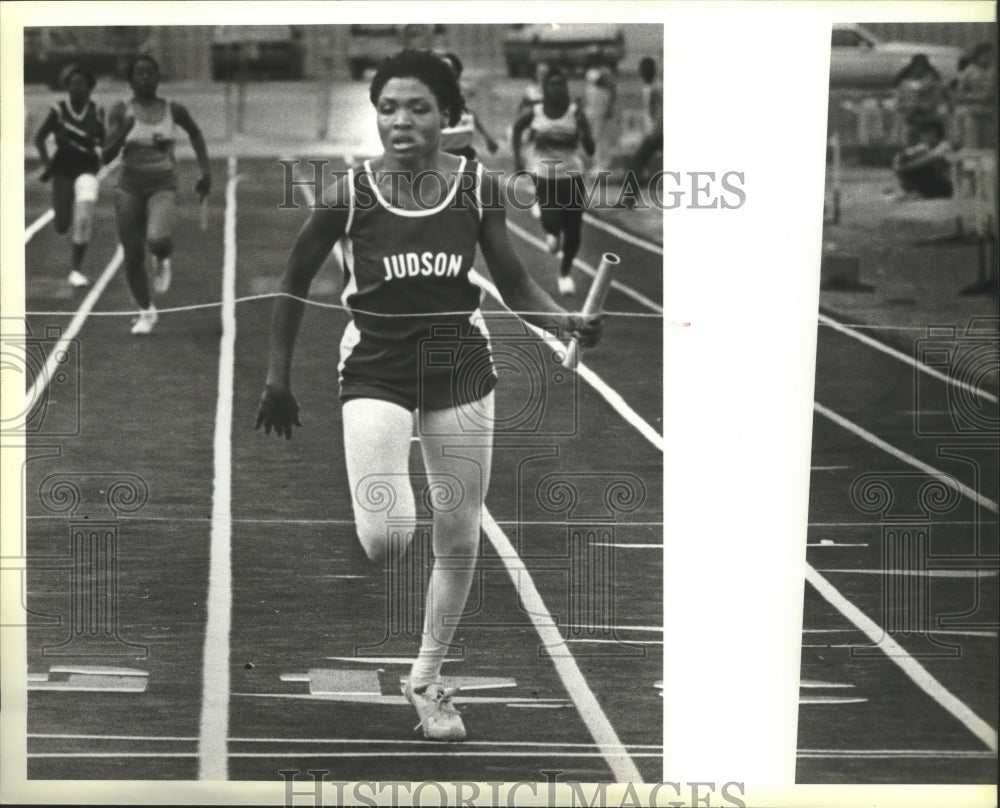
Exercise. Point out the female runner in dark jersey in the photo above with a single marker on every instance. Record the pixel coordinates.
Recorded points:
(409, 223)
(78, 126)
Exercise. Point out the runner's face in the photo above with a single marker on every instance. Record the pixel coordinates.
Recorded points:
(409, 120)
(556, 90)
(78, 88)
(145, 78)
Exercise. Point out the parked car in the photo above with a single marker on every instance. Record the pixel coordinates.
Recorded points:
(104, 52)
(859, 59)
(258, 51)
(370, 43)
(569, 46)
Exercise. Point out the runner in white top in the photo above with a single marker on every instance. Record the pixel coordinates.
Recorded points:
(559, 132)
(144, 129)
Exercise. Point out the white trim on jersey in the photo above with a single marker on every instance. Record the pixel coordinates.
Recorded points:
(350, 200)
(350, 340)
(479, 190)
(416, 213)
(347, 248)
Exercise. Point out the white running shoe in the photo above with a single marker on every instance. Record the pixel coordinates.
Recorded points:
(161, 275)
(439, 718)
(536, 211)
(552, 243)
(78, 279)
(143, 324)
(567, 286)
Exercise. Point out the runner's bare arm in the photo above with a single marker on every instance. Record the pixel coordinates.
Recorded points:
(186, 122)
(325, 226)
(517, 288)
(49, 125)
(520, 125)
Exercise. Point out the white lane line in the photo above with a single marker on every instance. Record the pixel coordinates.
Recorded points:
(377, 698)
(50, 214)
(832, 699)
(407, 753)
(579, 263)
(81, 737)
(422, 742)
(809, 683)
(388, 660)
(59, 350)
(934, 631)
(624, 235)
(252, 521)
(38, 224)
(828, 543)
(937, 523)
(902, 357)
(592, 627)
(624, 546)
(918, 573)
(596, 641)
(604, 735)
(899, 454)
(920, 676)
(893, 753)
(214, 726)
(611, 396)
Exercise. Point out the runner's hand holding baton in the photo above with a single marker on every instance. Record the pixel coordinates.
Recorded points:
(591, 308)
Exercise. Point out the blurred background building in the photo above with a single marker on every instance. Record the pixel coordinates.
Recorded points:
(338, 52)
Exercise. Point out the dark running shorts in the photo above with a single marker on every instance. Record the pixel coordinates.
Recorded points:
(443, 374)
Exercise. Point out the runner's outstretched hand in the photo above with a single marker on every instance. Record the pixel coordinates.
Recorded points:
(279, 410)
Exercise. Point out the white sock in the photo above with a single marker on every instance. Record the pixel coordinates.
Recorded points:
(447, 593)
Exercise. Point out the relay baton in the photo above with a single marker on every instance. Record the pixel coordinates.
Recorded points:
(594, 302)
(204, 213)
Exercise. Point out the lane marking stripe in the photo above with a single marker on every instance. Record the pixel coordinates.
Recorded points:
(42, 380)
(351, 522)
(214, 724)
(902, 357)
(579, 263)
(368, 753)
(919, 573)
(899, 454)
(920, 676)
(590, 711)
(50, 214)
(611, 396)
(624, 235)
(341, 741)
(38, 224)
(935, 631)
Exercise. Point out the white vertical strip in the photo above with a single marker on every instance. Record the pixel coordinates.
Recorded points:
(212, 744)
(738, 395)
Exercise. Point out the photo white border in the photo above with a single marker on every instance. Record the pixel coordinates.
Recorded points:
(746, 280)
